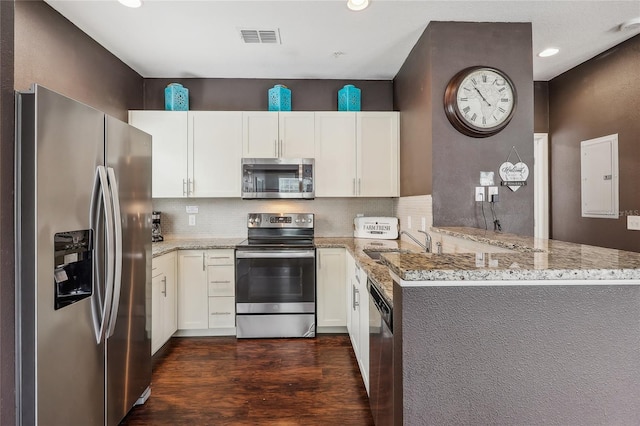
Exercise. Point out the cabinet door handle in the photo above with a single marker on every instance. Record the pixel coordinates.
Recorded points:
(358, 279)
(275, 147)
(359, 187)
(203, 262)
(191, 186)
(184, 187)
(164, 281)
(354, 186)
(219, 257)
(220, 282)
(357, 298)
(353, 297)
(281, 149)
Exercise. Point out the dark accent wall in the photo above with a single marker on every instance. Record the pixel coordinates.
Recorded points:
(412, 97)
(235, 94)
(456, 160)
(7, 284)
(541, 106)
(597, 98)
(54, 53)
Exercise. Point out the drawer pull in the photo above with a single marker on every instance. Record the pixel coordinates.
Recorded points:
(220, 282)
(220, 313)
(219, 257)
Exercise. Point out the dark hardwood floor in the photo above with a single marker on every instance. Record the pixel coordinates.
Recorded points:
(225, 381)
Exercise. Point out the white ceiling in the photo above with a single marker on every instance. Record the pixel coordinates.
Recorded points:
(180, 38)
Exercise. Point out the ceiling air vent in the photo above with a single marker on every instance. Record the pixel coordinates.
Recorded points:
(261, 36)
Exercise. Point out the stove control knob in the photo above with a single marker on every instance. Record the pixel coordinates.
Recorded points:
(303, 220)
(257, 220)
(297, 220)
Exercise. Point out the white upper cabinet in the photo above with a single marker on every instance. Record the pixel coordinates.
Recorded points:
(195, 153)
(260, 134)
(278, 134)
(169, 150)
(198, 153)
(335, 154)
(296, 133)
(215, 151)
(378, 154)
(357, 154)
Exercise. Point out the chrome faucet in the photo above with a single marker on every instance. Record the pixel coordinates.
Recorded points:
(427, 244)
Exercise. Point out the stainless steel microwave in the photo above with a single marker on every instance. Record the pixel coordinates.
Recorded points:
(290, 178)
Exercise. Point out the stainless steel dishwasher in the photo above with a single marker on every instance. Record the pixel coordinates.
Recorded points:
(380, 357)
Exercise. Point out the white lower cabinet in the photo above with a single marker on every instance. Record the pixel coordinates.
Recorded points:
(330, 289)
(358, 315)
(163, 300)
(206, 296)
(221, 289)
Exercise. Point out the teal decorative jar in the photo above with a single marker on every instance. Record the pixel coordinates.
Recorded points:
(349, 98)
(176, 97)
(279, 98)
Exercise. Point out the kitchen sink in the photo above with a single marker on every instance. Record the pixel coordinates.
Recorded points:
(375, 253)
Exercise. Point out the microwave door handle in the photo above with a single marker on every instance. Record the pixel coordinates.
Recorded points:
(300, 176)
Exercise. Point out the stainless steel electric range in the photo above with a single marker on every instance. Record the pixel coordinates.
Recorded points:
(276, 277)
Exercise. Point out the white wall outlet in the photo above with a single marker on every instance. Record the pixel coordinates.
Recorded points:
(192, 209)
(480, 193)
(493, 190)
(192, 220)
(408, 222)
(424, 223)
(633, 222)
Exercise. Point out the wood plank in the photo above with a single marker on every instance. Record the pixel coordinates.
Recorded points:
(226, 381)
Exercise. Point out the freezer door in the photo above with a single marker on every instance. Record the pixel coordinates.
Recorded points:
(128, 152)
(61, 367)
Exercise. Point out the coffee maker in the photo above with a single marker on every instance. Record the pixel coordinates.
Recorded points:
(156, 230)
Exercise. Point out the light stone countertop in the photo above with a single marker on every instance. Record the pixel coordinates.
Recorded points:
(167, 246)
(533, 259)
(379, 273)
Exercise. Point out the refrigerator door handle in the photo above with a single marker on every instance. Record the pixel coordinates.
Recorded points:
(117, 226)
(101, 308)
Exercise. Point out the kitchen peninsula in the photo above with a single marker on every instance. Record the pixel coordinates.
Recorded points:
(548, 334)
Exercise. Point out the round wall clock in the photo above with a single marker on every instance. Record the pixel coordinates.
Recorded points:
(480, 101)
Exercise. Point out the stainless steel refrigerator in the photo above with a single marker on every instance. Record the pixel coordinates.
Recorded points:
(83, 233)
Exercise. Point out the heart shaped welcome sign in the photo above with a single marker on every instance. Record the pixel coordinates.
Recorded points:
(514, 175)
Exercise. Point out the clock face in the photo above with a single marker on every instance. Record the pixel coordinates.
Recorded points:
(480, 101)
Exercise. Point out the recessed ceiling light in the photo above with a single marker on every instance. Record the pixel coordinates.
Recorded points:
(548, 52)
(357, 4)
(630, 25)
(131, 3)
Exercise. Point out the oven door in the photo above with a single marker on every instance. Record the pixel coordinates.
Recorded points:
(275, 281)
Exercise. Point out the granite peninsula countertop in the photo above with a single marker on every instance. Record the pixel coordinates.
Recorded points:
(533, 260)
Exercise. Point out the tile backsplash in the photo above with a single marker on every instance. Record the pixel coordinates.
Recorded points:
(416, 208)
(227, 217)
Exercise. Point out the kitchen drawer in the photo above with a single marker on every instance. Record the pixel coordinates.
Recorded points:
(221, 280)
(220, 257)
(222, 312)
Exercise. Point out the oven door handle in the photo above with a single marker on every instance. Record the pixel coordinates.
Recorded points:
(275, 254)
